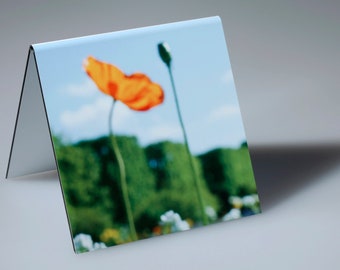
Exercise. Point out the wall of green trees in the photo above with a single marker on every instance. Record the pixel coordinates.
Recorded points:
(159, 179)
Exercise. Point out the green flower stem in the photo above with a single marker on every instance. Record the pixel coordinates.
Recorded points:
(122, 176)
(191, 159)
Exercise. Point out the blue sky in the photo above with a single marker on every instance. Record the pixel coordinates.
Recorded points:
(77, 110)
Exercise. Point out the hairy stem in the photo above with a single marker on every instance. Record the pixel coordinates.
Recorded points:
(191, 158)
(122, 176)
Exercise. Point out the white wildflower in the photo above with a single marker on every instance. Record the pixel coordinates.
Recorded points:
(248, 201)
(174, 220)
(232, 214)
(83, 241)
(210, 212)
(235, 201)
(99, 245)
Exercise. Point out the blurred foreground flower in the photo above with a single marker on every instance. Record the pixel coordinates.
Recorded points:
(113, 236)
(83, 243)
(236, 201)
(136, 91)
(234, 213)
(241, 207)
(174, 221)
(211, 213)
(250, 200)
(110, 236)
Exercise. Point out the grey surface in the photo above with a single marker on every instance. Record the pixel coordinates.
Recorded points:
(285, 58)
(298, 229)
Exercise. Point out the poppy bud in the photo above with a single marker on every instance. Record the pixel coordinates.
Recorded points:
(164, 53)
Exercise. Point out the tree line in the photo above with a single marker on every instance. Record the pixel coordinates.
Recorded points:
(159, 179)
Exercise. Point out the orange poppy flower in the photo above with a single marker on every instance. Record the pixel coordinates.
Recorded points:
(137, 91)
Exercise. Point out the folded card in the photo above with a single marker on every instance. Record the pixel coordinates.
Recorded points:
(144, 128)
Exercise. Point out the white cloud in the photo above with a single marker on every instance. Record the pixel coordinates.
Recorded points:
(223, 112)
(164, 132)
(121, 116)
(227, 77)
(85, 89)
(92, 119)
(86, 114)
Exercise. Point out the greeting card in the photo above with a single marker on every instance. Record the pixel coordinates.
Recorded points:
(144, 128)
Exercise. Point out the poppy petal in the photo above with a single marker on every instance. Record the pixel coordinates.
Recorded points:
(148, 97)
(137, 91)
(107, 77)
(140, 93)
